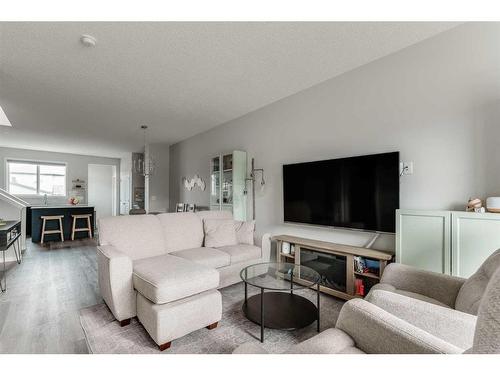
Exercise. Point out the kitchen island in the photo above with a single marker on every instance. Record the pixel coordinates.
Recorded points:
(66, 210)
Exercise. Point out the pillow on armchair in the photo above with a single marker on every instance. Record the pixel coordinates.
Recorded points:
(219, 232)
(245, 231)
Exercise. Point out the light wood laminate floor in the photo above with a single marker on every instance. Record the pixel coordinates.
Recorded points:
(39, 310)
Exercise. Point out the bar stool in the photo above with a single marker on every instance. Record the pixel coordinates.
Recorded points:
(88, 228)
(52, 231)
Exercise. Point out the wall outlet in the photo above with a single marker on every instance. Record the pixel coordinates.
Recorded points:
(405, 168)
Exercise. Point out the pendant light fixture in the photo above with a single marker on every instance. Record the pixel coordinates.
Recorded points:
(144, 166)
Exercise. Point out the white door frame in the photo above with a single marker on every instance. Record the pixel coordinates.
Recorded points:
(114, 186)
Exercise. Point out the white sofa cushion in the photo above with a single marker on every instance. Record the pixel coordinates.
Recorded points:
(206, 256)
(138, 236)
(214, 215)
(182, 230)
(245, 231)
(241, 252)
(219, 232)
(167, 278)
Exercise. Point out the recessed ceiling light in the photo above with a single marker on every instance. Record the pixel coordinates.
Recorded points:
(88, 40)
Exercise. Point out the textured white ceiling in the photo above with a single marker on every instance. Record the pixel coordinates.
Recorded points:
(179, 78)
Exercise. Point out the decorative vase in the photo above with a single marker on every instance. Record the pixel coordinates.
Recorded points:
(285, 248)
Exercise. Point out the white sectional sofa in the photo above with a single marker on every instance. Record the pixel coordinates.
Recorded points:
(157, 267)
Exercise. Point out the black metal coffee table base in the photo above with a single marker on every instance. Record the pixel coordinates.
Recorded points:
(281, 310)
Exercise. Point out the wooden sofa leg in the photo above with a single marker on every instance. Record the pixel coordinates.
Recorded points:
(165, 346)
(213, 325)
(124, 322)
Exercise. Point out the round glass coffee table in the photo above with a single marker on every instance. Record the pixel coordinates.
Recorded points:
(277, 306)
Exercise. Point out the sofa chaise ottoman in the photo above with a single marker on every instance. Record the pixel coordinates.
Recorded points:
(158, 268)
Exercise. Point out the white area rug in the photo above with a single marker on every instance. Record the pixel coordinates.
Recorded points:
(105, 336)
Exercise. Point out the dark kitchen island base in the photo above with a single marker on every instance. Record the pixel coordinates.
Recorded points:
(66, 211)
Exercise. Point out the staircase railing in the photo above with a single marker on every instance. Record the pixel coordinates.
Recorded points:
(10, 198)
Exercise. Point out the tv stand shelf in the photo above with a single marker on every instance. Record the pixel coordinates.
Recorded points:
(335, 262)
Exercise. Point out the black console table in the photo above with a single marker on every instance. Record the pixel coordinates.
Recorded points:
(9, 236)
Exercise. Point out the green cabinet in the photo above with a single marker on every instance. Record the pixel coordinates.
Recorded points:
(423, 239)
(227, 183)
(450, 242)
(474, 238)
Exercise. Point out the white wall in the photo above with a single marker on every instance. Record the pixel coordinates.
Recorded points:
(158, 192)
(433, 102)
(77, 167)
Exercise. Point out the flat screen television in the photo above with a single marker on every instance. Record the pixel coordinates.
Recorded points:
(360, 192)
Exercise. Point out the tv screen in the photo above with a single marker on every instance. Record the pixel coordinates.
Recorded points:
(359, 192)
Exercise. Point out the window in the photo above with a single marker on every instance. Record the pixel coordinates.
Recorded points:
(32, 178)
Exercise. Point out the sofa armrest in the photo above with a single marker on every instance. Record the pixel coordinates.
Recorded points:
(443, 288)
(374, 330)
(264, 242)
(453, 326)
(115, 282)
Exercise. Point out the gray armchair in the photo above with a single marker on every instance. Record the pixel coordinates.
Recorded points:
(363, 327)
(445, 306)
(442, 290)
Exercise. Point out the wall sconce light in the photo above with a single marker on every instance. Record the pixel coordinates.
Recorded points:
(252, 178)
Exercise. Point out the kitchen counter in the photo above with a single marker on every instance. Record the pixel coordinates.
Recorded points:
(66, 210)
(60, 206)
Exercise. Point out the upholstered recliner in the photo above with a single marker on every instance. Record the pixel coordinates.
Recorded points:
(445, 306)
(442, 290)
(363, 327)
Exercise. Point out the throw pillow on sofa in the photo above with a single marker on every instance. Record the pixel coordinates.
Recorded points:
(245, 231)
(219, 232)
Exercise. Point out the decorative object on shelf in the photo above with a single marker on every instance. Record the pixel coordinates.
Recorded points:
(78, 184)
(144, 166)
(292, 249)
(252, 178)
(475, 205)
(78, 190)
(185, 207)
(493, 204)
(190, 183)
(360, 287)
(359, 264)
(74, 200)
(2, 221)
(285, 247)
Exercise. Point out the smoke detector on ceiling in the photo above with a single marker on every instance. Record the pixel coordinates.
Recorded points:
(88, 40)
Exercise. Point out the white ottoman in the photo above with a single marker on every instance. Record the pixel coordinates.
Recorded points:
(169, 321)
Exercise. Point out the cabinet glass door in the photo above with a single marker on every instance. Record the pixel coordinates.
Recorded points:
(215, 183)
(227, 181)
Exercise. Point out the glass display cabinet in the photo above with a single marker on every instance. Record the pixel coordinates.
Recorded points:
(227, 183)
